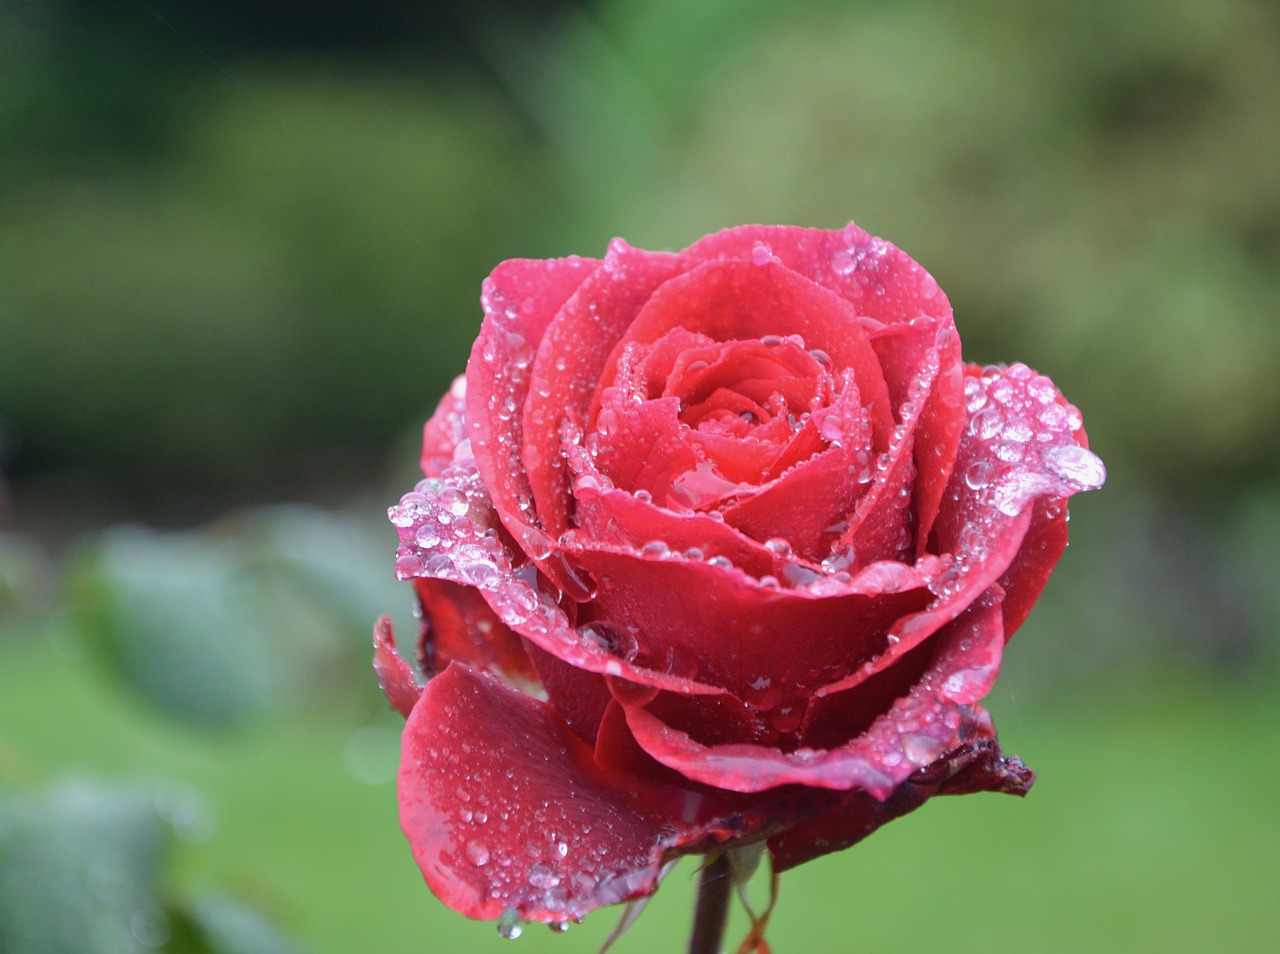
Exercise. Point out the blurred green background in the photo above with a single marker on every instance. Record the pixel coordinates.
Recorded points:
(241, 249)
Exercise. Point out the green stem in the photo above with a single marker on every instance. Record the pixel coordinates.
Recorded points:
(712, 907)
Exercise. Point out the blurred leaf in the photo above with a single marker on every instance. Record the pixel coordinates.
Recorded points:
(79, 870)
(82, 872)
(228, 927)
(179, 618)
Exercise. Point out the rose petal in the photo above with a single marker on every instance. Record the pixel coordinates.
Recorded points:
(722, 628)
(915, 731)
(459, 626)
(448, 531)
(506, 810)
(1018, 446)
(570, 360)
(396, 677)
(808, 504)
(879, 279)
(977, 765)
(733, 300)
(519, 298)
(880, 528)
(446, 429)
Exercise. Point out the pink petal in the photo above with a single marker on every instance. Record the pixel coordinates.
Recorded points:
(396, 677)
(506, 810)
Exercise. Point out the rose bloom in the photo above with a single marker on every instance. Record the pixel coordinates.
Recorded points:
(715, 548)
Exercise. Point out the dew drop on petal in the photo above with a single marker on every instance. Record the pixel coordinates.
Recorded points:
(477, 854)
(778, 546)
(509, 925)
(1076, 466)
(977, 474)
(655, 550)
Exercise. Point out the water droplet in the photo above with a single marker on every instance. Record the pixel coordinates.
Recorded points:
(985, 424)
(509, 925)
(778, 546)
(610, 638)
(655, 550)
(977, 474)
(761, 254)
(477, 854)
(921, 749)
(1076, 465)
(559, 927)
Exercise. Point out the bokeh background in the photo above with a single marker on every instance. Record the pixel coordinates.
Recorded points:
(240, 253)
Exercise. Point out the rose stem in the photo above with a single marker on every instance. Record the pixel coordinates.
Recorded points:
(712, 907)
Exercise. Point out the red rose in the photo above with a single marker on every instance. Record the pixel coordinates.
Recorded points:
(713, 547)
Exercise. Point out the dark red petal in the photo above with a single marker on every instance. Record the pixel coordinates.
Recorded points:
(976, 765)
(720, 627)
(448, 531)
(396, 677)
(880, 280)
(938, 435)
(569, 363)
(916, 730)
(578, 696)
(506, 810)
(459, 626)
(446, 429)
(519, 298)
(731, 300)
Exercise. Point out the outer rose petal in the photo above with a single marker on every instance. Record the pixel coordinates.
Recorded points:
(570, 359)
(520, 298)
(448, 531)
(1019, 446)
(879, 279)
(459, 626)
(446, 429)
(395, 676)
(506, 810)
(916, 730)
(977, 765)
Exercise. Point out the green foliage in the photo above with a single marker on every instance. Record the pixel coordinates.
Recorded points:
(223, 626)
(82, 872)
